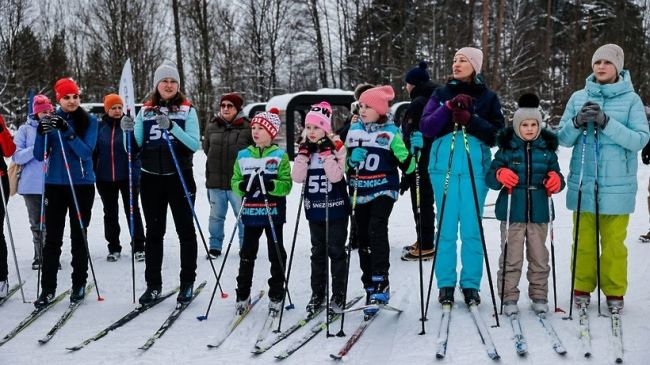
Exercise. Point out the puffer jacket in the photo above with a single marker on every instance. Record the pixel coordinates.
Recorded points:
(619, 143)
(31, 176)
(222, 142)
(531, 161)
(110, 159)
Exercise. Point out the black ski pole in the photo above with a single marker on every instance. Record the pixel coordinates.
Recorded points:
(293, 247)
(596, 206)
(418, 212)
(441, 216)
(41, 221)
(131, 218)
(577, 225)
(225, 256)
(505, 251)
(551, 233)
(327, 258)
(480, 225)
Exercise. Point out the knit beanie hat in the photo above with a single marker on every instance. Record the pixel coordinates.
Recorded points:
(320, 115)
(64, 87)
(528, 109)
(474, 55)
(377, 98)
(41, 103)
(418, 75)
(110, 100)
(270, 121)
(360, 89)
(233, 98)
(612, 53)
(166, 70)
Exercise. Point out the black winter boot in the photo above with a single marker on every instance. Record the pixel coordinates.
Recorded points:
(149, 296)
(471, 296)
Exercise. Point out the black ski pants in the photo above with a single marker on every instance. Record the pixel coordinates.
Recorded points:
(335, 251)
(4, 269)
(372, 233)
(426, 201)
(110, 191)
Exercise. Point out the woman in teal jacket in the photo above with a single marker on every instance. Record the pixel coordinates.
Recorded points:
(609, 106)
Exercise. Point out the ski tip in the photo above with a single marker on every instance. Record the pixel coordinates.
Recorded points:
(290, 306)
(202, 318)
(224, 295)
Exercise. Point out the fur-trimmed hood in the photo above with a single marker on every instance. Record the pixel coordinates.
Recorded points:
(507, 139)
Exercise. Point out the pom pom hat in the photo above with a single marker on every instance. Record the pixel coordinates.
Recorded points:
(110, 100)
(377, 98)
(270, 121)
(41, 103)
(418, 75)
(528, 109)
(65, 87)
(320, 115)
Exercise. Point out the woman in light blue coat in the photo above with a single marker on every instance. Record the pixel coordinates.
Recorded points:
(30, 184)
(607, 109)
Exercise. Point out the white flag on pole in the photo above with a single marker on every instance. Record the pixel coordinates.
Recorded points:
(126, 89)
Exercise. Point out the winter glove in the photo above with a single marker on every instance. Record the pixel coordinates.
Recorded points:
(460, 101)
(553, 183)
(645, 154)
(47, 125)
(163, 121)
(255, 184)
(358, 155)
(127, 124)
(417, 142)
(405, 183)
(305, 149)
(507, 177)
(325, 144)
(461, 116)
(590, 112)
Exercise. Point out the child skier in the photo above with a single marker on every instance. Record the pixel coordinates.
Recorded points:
(321, 164)
(527, 168)
(266, 162)
(377, 150)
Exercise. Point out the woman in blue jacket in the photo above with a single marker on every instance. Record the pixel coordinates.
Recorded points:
(112, 169)
(465, 101)
(78, 130)
(607, 108)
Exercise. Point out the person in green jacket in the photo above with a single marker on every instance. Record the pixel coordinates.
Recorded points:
(526, 169)
(262, 168)
(609, 106)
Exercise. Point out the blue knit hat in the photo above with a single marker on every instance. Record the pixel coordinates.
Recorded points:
(418, 74)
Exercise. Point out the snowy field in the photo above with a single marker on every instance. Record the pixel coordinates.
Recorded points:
(391, 339)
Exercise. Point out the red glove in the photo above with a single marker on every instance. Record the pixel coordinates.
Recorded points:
(461, 116)
(303, 149)
(553, 183)
(461, 101)
(507, 177)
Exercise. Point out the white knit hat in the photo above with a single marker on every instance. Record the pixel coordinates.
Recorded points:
(474, 55)
(612, 53)
(166, 70)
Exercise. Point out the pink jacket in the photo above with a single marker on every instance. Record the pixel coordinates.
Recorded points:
(334, 165)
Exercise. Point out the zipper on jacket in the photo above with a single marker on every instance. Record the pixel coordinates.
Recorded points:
(113, 151)
(528, 182)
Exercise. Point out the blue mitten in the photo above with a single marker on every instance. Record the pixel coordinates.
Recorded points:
(358, 155)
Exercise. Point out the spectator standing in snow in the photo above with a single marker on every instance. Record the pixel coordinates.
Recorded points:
(645, 157)
(111, 164)
(465, 100)
(225, 135)
(8, 147)
(608, 105)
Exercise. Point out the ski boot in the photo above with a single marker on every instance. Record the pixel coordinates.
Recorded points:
(446, 295)
(379, 294)
(581, 298)
(275, 305)
(471, 296)
(242, 304)
(4, 289)
(337, 304)
(315, 303)
(510, 307)
(540, 306)
(46, 297)
(185, 293)
(139, 256)
(213, 254)
(113, 256)
(77, 294)
(149, 296)
(615, 303)
(36, 264)
(645, 237)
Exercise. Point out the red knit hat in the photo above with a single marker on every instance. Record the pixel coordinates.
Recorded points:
(110, 100)
(233, 98)
(64, 87)
(377, 98)
(270, 121)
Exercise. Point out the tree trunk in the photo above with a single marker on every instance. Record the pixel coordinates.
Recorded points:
(485, 34)
(497, 46)
(320, 52)
(179, 50)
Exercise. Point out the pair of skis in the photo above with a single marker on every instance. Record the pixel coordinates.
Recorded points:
(11, 292)
(521, 345)
(443, 332)
(584, 332)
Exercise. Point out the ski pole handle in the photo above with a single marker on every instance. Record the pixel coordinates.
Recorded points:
(250, 180)
(261, 184)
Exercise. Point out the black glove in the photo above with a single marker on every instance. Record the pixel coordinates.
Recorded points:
(405, 183)
(269, 185)
(645, 154)
(325, 144)
(50, 123)
(590, 112)
(307, 148)
(255, 184)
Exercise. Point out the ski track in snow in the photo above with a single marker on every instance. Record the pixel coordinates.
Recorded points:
(390, 339)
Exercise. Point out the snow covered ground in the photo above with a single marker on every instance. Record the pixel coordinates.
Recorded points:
(391, 339)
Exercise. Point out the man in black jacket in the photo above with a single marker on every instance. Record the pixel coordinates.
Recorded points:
(419, 86)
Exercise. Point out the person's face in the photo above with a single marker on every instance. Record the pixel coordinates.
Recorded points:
(604, 71)
(368, 114)
(115, 111)
(41, 115)
(261, 137)
(167, 88)
(462, 69)
(69, 102)
(528, 129)
(227, 110)
(409, 87)
(314, 133)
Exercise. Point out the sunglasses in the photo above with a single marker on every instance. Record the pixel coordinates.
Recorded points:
(68, 97)
(227, 106)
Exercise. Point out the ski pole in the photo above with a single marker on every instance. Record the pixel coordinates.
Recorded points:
(131, 220)
(293, 246)
(441, 216)
(76, 206)
(418, 213)
(353, 222)
(327, 257)
(4, 177)
(225, 256)
(551, 217)
(480, 224)
(278, 252)
(41, 221)
(596, 206)
(577, 225)
(190, 203)
(505, 251)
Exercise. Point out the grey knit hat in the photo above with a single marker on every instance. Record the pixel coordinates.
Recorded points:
(612, 53)
(528, 109)
(166, 70)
